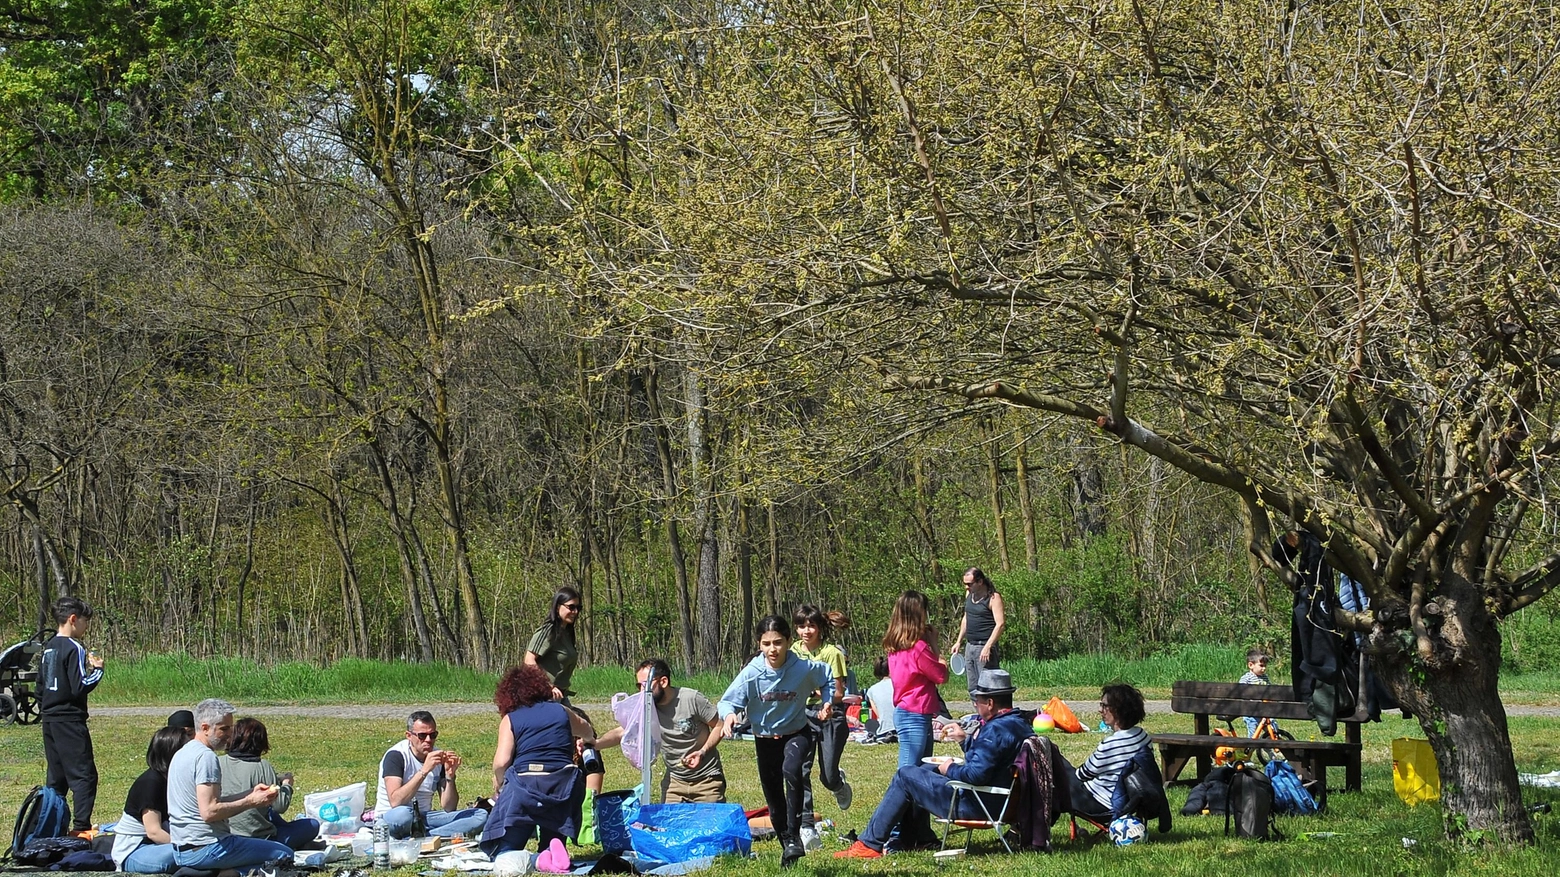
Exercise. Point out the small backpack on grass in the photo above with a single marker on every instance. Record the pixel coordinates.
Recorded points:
(1251, 804)
(43, 814)
(1289, 795)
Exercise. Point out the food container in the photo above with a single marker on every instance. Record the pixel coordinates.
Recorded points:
(405, 851)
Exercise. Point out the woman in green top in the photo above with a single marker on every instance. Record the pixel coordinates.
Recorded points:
(829, 734)
(553, 649)
(552, 646)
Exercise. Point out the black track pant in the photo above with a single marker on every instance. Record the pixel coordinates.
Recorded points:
(67, 746)
(781, 762)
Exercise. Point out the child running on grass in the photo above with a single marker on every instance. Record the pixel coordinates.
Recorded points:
(772, 689)
(812, 628)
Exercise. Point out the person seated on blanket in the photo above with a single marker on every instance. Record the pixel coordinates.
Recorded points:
(243, 766)
(989, 754)
(412, 772)
(1091, 785)
(538, 790)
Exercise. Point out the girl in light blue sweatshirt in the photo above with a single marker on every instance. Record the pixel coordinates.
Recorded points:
(772, 689)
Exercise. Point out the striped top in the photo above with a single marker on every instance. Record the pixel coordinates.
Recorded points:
(1105, 765)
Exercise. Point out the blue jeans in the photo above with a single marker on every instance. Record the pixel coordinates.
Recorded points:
(297, 833)
(914, 787)
(150, 859)
(441, 823)
(234, 852)
(915, 736)
(915, 743)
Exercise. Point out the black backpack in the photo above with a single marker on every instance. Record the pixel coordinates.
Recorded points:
(46, 851)
(43, 814)
(1251, 804)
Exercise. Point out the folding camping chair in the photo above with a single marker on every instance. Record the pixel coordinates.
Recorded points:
(997, 822)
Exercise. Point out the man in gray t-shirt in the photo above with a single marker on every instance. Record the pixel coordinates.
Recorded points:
(688, 723)
(197, 812)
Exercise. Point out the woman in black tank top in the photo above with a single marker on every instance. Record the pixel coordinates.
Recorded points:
(980, 627)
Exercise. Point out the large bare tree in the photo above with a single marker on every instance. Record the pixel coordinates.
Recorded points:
(1301, 253)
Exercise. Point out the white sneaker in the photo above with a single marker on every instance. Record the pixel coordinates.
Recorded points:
(844, 795)
(810, 840)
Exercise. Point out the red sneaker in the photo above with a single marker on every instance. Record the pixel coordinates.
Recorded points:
(858, 850)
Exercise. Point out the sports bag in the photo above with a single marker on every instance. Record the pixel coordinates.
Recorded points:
(1251, 804)
(43, 814)
(1289, 795)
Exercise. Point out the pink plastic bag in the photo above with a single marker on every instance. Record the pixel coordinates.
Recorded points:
(629, 710)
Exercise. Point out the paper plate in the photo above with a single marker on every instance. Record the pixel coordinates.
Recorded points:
(956, 664)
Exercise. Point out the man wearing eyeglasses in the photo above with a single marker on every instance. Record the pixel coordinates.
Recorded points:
(410, 773)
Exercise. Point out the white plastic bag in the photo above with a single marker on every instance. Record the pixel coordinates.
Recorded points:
(629, 711)
(340, 811)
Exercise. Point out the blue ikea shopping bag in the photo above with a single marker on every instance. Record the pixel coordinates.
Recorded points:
(679, 832)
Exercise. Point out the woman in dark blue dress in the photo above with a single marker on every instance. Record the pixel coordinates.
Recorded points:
(537, 786)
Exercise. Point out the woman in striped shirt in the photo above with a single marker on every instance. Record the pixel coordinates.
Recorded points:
(1091, 785)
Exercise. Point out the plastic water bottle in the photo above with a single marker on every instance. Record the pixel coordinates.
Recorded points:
(381, 844)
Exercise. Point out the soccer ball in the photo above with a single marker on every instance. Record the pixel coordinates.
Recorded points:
(1127, 830)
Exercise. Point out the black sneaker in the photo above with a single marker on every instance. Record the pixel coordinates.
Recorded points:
(792, 854)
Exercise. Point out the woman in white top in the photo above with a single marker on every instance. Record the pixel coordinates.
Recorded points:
(141, 842)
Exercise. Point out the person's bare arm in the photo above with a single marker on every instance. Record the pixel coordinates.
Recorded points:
(152, 822)
(696, 757)
(614, 737)
(581, 728)
(999, 621)
(503, 753)
(449, 799)
(208, 797)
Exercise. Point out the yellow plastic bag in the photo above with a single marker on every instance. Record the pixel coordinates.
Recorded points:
(1415, 775)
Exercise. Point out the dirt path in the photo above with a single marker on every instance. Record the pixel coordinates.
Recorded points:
(399, 711)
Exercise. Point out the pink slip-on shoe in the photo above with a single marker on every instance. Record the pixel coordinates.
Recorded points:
(555, 859)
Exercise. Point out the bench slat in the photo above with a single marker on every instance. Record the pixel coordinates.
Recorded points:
(1272, 709)
(1216, 740)
(1245, 691)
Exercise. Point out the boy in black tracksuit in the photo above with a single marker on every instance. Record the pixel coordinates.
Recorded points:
(67, 675)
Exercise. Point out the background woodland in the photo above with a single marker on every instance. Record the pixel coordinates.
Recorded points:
(351, 328)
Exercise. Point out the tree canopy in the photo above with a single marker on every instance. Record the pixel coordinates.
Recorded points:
(658, 295)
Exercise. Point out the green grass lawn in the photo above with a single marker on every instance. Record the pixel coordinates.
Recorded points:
(1369, 826)
(175, 680)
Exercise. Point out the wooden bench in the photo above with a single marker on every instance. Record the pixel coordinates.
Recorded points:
(1311, 758)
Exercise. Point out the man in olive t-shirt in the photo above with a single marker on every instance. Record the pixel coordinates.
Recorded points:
(689, 734)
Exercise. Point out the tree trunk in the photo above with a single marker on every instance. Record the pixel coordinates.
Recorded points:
(774, 560)
(707, 588)
(1253, 562)
(994, 479)
(389, 500)
(744, 547)
(353, 621)
(923, 517)
(425, 576)
(1088, 493)
(41, 572)
(1026, 508)
(1454, 695)
(663, 452)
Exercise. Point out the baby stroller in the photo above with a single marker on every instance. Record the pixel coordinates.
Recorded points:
(18, 681)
